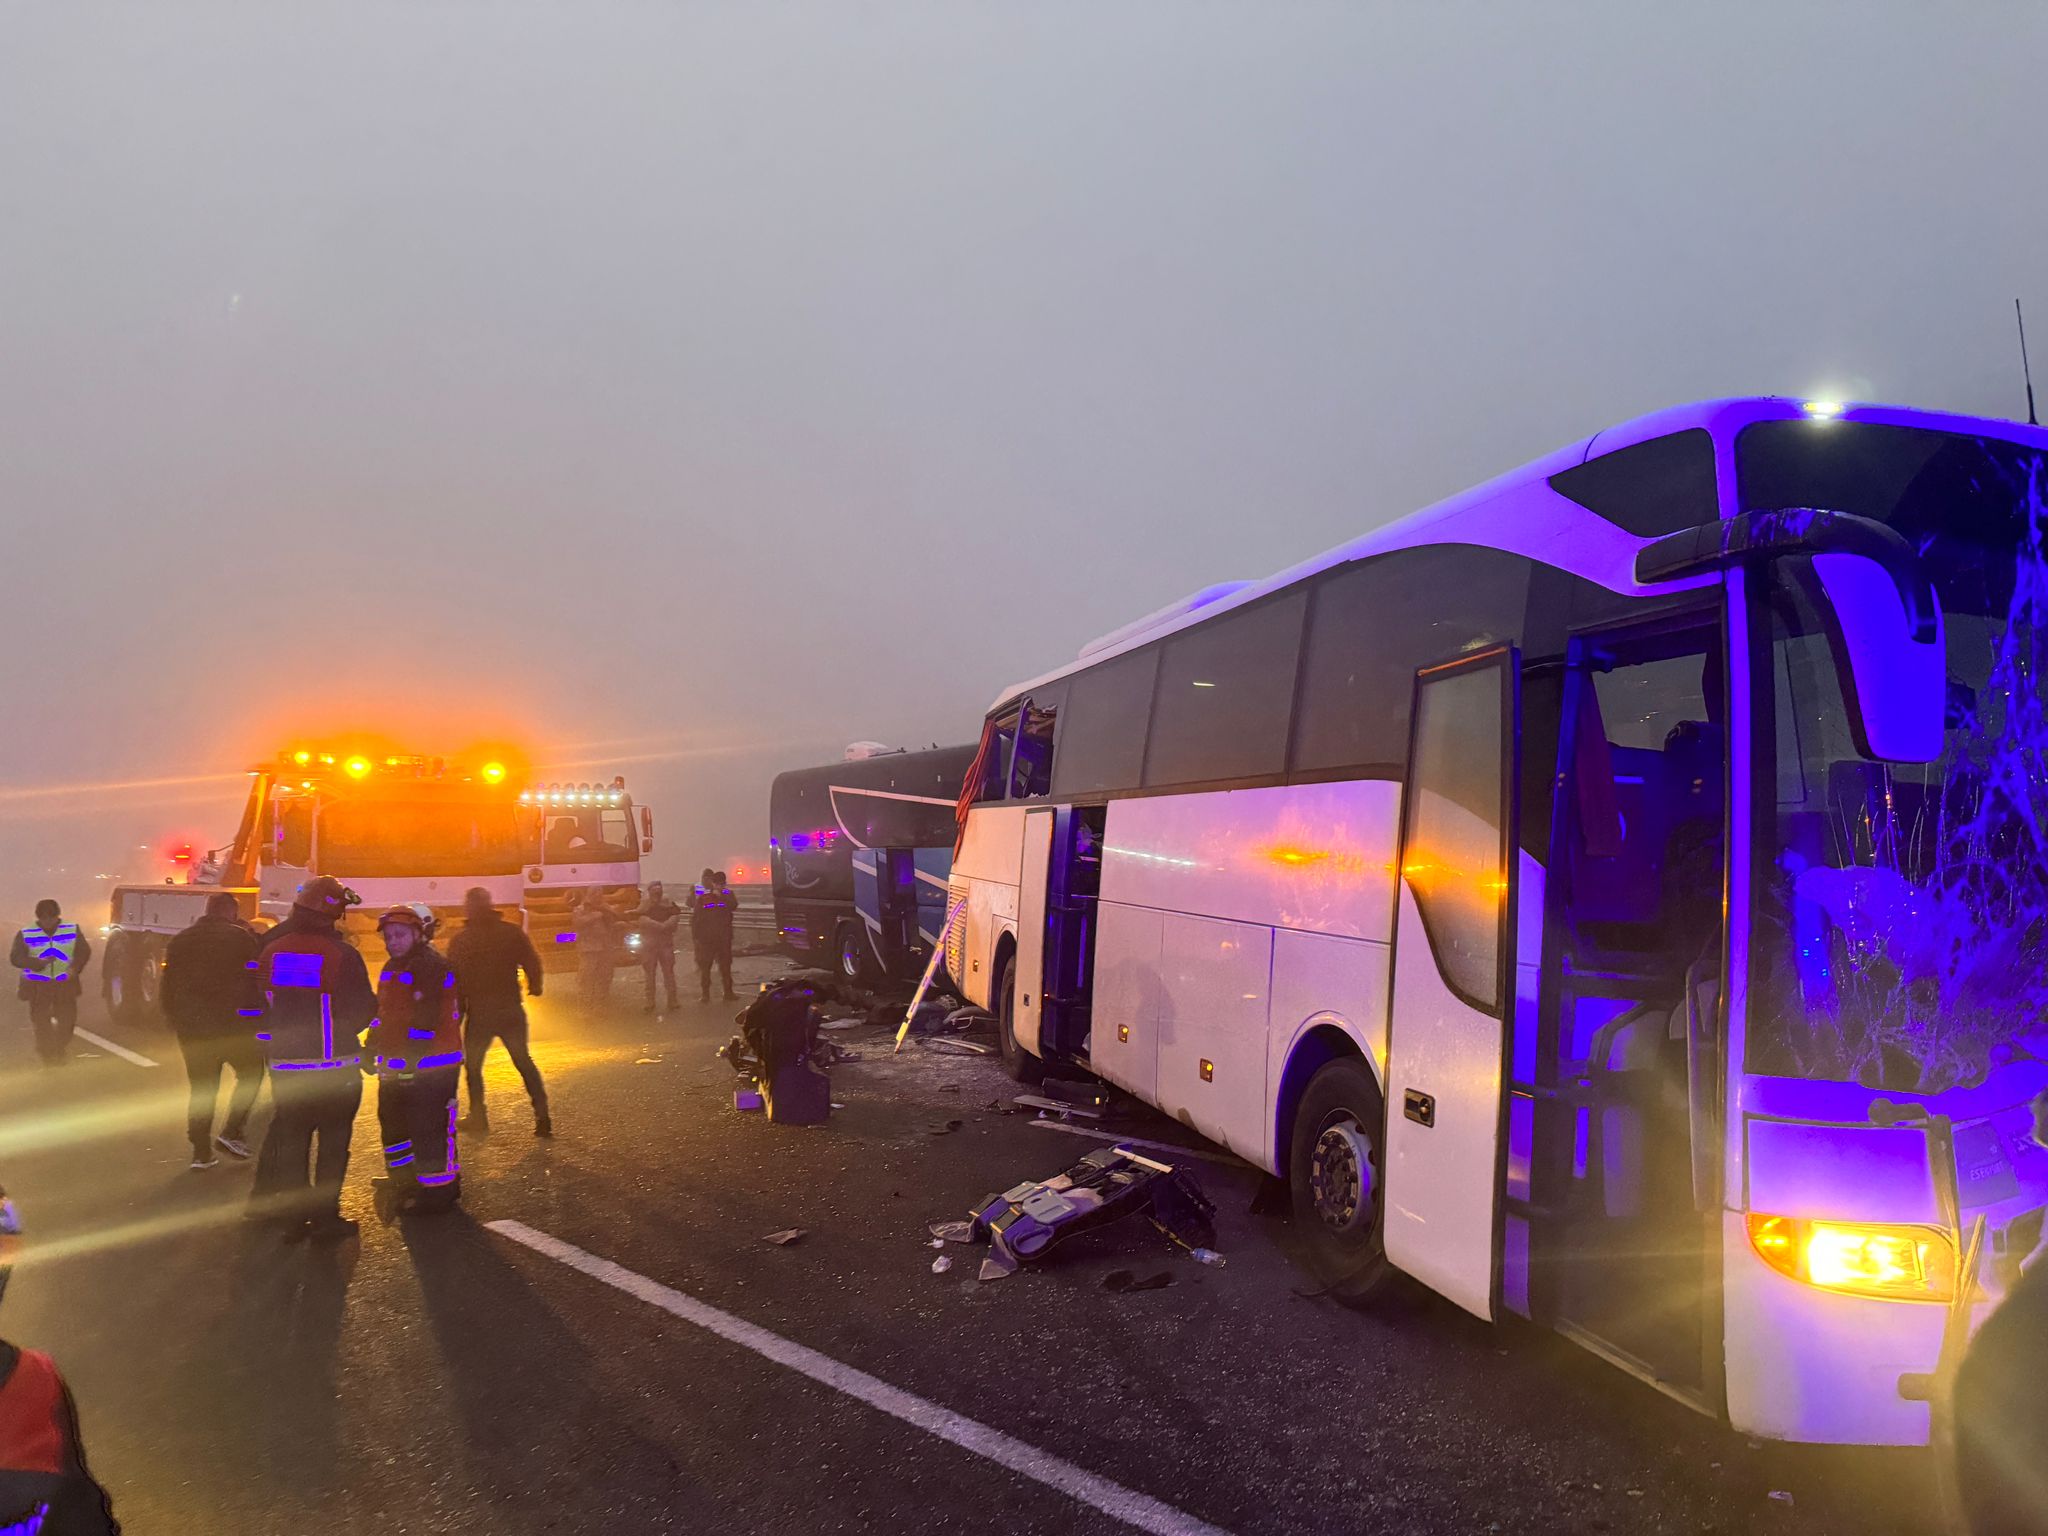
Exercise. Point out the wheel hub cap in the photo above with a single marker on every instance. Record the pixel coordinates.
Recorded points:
(1340, 1178)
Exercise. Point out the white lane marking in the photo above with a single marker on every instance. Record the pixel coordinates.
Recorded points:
(1112, 1499)
(121, 1051)
(1227, 1159)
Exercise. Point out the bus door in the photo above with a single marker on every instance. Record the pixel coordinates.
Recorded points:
(1062, 874)
(1453, 969)
(1625, 1247)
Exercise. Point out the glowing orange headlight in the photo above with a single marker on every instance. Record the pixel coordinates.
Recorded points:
(1897, 1262)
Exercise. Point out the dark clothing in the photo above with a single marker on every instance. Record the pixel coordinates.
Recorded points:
(210, 986)
(657, 922)
(45, 1487)
(664, 961)
(2001, 1415)
(317, 999)
(313, 1113)
(711, 917)
(317, 1003)
(206, 1057)
(723, 960)
(416, 1118)
(480, 1028)
(53, 1011)
(488, 956)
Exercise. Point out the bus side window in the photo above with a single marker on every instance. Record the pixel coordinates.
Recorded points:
(1031, 769)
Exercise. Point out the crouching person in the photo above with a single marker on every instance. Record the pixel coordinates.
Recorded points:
(416, 1044)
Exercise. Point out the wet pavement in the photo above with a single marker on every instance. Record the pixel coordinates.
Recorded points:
(446, 1374)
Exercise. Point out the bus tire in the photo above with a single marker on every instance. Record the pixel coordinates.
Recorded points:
(854, 955)
(1334, 1179)
(1018, 1062)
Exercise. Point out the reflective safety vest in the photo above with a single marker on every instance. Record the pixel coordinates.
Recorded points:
(32, 1417)
(53, 952)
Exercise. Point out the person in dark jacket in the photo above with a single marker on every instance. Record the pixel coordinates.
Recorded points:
(488, 956)
(416, 1043)
(711, 920)
(317, 1001)
(656, 923)
(2000, 1409)
(45, 1486)
(51, 955)
(211, 997)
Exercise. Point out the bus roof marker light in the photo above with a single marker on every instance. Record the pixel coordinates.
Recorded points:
(1822, 410)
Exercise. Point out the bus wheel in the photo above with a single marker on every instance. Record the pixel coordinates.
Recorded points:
(1334, 1178)
(1018, 1062)
(853, 951)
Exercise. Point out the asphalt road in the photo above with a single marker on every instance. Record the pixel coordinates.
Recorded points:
(443, 1375)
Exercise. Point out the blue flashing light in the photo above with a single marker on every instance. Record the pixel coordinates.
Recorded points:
(565, 938)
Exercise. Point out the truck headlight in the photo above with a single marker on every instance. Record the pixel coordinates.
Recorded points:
(1898, 1263)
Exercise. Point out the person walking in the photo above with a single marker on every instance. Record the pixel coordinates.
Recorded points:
(711, 922)
(597, 936)
(317, 1001)
(51, 955)
(212, 999)
(488, 957)
(45, 1486)
(657, 921)
(416, 1043)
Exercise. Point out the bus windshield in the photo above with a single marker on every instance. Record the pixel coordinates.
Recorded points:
(1902, 916)
(375, 836)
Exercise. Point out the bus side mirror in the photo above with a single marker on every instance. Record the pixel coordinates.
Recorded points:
(646, 829)
(1896, 664)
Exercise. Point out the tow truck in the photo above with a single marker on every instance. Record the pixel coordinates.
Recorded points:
(394, 828)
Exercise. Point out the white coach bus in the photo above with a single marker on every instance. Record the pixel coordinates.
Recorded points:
(1613, 896)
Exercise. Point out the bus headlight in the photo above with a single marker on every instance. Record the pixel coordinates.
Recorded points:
(1899, 1263)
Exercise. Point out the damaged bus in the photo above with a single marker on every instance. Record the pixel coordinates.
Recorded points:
(1614, 896)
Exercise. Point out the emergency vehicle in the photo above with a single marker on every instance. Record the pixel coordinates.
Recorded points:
(580, 837)
(395, 829)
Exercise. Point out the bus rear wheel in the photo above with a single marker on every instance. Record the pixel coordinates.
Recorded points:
(1333, 1170)
(854, 953)
(1018, 1062)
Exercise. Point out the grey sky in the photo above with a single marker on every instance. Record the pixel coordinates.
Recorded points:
(740, 380)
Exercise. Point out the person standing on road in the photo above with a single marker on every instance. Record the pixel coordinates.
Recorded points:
(488, 956)
(51, 956)
(597, 937)
(416, 1043)
(317, 1003)
(657, 921)
(711, 918)
(45, 1488)
(212, 999)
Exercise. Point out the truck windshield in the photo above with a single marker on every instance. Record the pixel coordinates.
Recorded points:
(1900, 936)
(374, 836)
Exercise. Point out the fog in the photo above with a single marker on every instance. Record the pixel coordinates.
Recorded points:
(688, 390)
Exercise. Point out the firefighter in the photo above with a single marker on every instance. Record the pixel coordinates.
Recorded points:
(51, 956)
(211, 999)
(317, 1003)
(45, 1488)
(711, 912)
(416, 1043)
(656, 921)
(488, 956)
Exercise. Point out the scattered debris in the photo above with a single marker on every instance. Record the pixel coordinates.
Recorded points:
(942, 1046)
(941, 1264)
(952, 1231)
(784, 1239)
(998, 1107)
(1054, 1107)
(1023, 1222)
(1205, 1255)
(1121, 1280)
(997, 1266)
(648, 1061)
(748, 1100)
(1781, 1495)
(945, 1130)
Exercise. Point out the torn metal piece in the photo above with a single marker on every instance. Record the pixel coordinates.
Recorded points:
(784, 1239)
(1107, 1185)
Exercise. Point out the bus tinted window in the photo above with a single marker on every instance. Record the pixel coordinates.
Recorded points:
(1452, 856)
(1031, 759)
(1656, 487)
(1372, 625)
(1102, 742)
(1225, 692)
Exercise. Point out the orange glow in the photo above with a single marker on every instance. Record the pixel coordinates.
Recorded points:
(302, 757)
(357, 767)
(494, 773)
(1289, 855)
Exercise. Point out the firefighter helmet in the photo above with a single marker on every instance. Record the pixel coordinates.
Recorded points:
(407, 917)
(425, 913)
(325, 896)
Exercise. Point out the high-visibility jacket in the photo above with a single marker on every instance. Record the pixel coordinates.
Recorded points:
(417, 1027)
(53, 953)
(44, 1484)
(317, 999)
